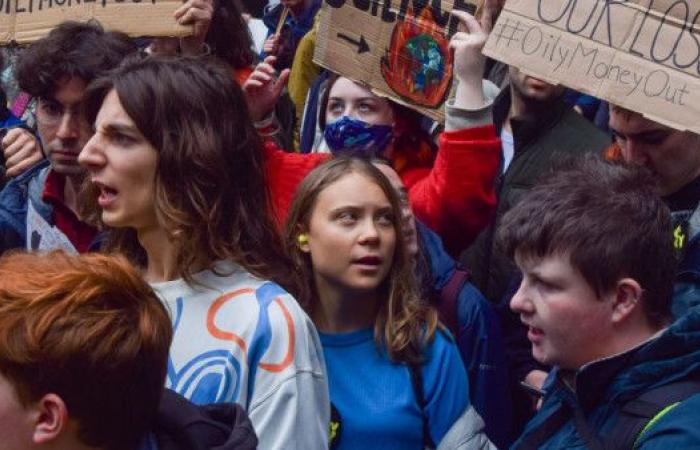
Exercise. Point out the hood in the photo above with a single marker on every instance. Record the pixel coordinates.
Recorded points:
(440, 262)
(182, 425)
(674, 355)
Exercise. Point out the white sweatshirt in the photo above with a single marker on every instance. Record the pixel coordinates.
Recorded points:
(241, 339)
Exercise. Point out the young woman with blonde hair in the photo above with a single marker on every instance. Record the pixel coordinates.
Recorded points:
(396, 379)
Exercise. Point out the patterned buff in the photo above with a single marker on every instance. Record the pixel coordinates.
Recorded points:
(348, 135)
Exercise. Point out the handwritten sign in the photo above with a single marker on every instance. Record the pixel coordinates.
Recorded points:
(398, 48)
(643, 55)
(26, 21)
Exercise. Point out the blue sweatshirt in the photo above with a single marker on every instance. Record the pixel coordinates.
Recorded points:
(375, 397)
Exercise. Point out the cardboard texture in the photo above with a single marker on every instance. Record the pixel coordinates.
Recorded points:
(25, 21)
(399, 48)
(643, 55)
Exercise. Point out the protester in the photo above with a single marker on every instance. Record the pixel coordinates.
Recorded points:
(396, 380)
(465, 312)
(538, 130)
(287, 23)
(176, 169)
(453, 194)
(598, 269)
(39, 209)
(674, 158)
(82, 363)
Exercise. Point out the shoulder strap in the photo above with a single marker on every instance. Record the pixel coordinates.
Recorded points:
(417, 382)
(638, 415)
(534, 440)
(447, 308)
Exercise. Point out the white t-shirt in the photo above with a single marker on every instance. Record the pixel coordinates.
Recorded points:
(508, 147)
(241, 339)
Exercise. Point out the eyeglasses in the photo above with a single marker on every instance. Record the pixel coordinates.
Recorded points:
(51, 114)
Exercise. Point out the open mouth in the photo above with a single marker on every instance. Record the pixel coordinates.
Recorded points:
(534, 334)
(107, 194)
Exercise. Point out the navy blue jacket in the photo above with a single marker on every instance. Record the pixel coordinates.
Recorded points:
(14, 200)
(603, 386)
(479, 341)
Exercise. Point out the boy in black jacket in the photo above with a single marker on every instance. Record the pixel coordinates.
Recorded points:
(83, 355)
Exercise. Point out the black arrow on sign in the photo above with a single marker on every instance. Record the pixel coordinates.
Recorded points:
(362, 46)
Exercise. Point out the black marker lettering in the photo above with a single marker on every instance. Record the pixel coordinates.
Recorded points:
(387, 14)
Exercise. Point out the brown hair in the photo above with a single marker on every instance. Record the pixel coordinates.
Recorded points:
(609, 219)
(404, 323)
(72, 49)
(90, 330)
(211, 189)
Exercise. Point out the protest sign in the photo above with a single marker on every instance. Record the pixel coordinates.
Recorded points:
(643, 55)
(399, 48)
(26, 21)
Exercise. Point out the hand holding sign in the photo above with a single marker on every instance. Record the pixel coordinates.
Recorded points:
(262, 90)
(199, 14)
(469, 62)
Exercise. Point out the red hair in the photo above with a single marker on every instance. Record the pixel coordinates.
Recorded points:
(90, 330)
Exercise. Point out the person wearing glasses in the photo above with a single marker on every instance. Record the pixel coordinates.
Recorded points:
(39, 210)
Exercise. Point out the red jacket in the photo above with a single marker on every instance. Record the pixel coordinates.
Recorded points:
(455, 197)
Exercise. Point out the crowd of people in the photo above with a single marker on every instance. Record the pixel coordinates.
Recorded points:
(207, 247)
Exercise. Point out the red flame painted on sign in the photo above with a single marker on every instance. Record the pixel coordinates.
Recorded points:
(418, 63)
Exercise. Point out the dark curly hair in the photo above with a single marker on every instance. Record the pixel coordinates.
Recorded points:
(72, 49)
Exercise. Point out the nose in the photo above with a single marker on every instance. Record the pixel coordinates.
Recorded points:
(69, 126)
(369, 233)
(633, 152)
(91, 156)
(520, 302)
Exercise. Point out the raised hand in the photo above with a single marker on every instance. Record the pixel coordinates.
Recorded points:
(21, 150)
(469, 62)
(263, 88)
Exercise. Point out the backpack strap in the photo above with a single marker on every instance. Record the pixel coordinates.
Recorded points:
(416, 373)
(640, 414)
(534, 440)
(447, 307)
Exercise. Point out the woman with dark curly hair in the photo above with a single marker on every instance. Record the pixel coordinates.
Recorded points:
(177, 176)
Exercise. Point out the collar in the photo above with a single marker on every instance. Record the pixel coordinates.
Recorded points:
(526, 130)
(53, 188)
(686, 198)
(592, 380)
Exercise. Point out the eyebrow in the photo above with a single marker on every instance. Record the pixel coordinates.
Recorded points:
(121, 128)
(643, 134)
(353, 99)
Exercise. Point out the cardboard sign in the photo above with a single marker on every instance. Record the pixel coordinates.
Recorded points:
(398, 48)
(26, 21)
(643, 55)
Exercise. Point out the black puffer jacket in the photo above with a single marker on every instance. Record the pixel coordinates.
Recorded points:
(182, 425)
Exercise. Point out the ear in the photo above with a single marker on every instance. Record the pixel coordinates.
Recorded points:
(628, 297)
(51, 419)
(303, 241)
